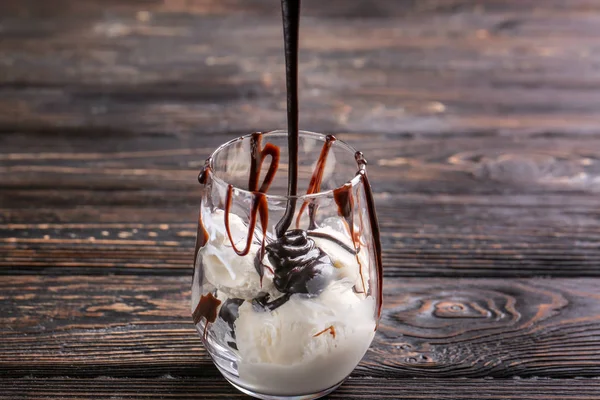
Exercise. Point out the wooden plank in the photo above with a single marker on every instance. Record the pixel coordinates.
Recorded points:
(354, 388)
(140, 326)
(471, 206)
(182, 67)
(480, 121)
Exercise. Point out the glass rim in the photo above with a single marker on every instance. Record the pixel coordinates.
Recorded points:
(354, 181)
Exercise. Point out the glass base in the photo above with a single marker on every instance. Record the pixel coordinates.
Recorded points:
(228, 368)
(271, 397)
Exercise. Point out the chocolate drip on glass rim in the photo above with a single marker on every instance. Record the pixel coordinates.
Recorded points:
(259, 200)
(323, 235)
(345, 201)
(314, 185)
(257, 157)
(362, 171)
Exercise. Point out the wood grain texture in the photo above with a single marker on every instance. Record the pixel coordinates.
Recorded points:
(140, 326)
(353, 388)
(480, 120)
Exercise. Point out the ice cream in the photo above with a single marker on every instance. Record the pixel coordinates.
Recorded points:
(300, 330)
(305, 345)
(234, 276)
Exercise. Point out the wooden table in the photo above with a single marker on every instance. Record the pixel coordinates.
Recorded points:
(482, 123)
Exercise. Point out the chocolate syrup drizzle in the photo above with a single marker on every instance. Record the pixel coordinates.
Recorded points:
(259, 199)
(257, 157)
(207, 308)
(362, 171)
(314, 186)
(345, 201)
(299, 266)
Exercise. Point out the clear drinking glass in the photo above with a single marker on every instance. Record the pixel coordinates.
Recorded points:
(293, 315)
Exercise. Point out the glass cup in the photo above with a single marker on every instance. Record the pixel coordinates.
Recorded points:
(286, 307)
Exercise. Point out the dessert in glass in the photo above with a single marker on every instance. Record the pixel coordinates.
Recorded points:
(286, 290)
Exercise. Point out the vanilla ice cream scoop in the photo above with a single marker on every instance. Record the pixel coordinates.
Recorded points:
(305, 343)
(226, 271)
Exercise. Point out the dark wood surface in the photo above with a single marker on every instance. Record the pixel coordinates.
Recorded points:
(481, 121)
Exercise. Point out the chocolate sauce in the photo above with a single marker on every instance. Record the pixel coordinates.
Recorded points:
(330, 329)
(290, 10)
(257, 157)
(299, 265)
(345, 201)
(259, 207)
(356, 241)
(259, 200)
(362, 171)
(261, 302)
(229, 312)
(207, 308)
(314, 186)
